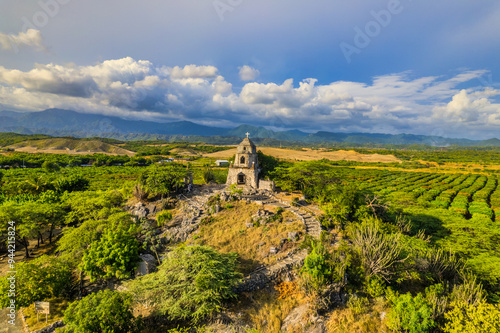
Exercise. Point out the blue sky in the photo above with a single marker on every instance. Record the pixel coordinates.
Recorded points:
(422, 67)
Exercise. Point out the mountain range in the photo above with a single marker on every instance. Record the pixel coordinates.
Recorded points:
(58, 122)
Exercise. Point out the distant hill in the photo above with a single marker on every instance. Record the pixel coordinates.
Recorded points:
(57, 122)
(68, 145)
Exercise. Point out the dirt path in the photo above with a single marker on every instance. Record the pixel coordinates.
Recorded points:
(5, 327)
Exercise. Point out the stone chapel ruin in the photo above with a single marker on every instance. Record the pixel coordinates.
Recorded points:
(245, 169)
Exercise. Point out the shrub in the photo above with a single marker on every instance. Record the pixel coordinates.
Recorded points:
(191, 283)
(479, 207)
(50, 166)
(317, 269)
(479, 318)
(469, 292)
(379, 252)
(357, 304)
(208, 175)
(163, 180)
(163, 217)
(409, 314)
(375, 286)
(139, 193)
(234, 190)
(107, 311)
(71, 184)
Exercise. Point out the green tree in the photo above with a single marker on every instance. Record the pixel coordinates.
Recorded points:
(309, 177)
(71, 183)
(26, 226)
(76, 240)
(106, 311)
(90, 205)
(33, 218)
(208, 174)
(161, 180)
(409, 314)
(36, 184)
(50, 166)
(340, 202)
(267, 164)
(36, 280)
(191, 283)
(113, 255)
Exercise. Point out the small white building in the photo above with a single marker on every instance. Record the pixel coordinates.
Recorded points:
(222, 162)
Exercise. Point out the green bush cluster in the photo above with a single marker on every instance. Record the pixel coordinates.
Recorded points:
(114, 255)
(480, 208)
(460, 204)
(409, 314)
(105, 311)
(191, 283)
(37, 280)
(495, 203)
(484, 193)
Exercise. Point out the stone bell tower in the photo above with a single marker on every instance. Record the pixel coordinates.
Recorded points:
(245, 169)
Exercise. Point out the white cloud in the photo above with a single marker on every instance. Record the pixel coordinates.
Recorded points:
(248, 73)
(31, 38)
(126, 87)
(192, 71)
(470, 107)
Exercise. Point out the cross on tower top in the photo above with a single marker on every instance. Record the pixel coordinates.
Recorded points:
(247, 134)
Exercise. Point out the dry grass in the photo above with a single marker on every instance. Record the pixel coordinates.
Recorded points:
(346, 320)
(313, 154)
(228, 233)
(184, 152)
(267, 310)
(69, 146)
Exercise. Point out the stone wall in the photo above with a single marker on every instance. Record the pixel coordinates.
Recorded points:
(251, 176)
(266, 185)
(51, 328)
(250, 160)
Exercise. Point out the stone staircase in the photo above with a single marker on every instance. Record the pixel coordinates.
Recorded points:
(265, 275)
(270, 274)
(313, 226)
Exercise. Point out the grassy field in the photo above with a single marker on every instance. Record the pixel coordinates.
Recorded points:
(307, 154)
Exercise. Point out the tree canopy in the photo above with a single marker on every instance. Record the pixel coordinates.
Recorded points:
(191, 283)
(106, 311)
(113, 255)
(161, 180)
(42, 278)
